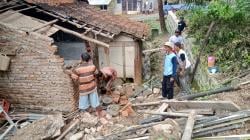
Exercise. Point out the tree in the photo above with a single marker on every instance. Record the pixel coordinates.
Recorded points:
(161, 16)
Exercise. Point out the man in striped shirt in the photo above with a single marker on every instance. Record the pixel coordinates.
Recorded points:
(84, 75)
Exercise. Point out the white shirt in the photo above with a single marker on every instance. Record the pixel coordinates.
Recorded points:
(175, 39)
(188, 63)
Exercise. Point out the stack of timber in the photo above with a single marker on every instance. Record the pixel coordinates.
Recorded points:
(197, 118)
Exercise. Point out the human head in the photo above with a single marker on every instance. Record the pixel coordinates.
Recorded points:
(168, 46)
(85, 57)
(177, 32)
(177, 46)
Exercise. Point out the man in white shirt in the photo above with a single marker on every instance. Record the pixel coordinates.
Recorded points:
(184, 68)
(177, 38)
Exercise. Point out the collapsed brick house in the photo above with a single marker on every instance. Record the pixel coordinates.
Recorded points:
(31, 34)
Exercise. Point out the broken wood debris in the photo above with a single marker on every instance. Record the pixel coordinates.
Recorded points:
(187, 135)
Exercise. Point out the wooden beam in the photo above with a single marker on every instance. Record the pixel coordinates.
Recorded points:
(187, 135)
(198, 111)
(68, 129)
(138, 63)
(171, 114)
(43, 25)
(215, 105)
(146, 104)
(31, 7)
(82, 36)
(88, 30)
(8, 8)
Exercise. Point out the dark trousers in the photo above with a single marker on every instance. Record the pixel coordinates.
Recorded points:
(167, 87)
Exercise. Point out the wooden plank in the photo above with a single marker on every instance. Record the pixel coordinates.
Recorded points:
(198, 111)
(187, 135)
(138, 63)
(43, 25)
(124, 61)
(215, 105)
(232, 137)
(146, 104)
(82, 36)
(170, 114)
(24, 9)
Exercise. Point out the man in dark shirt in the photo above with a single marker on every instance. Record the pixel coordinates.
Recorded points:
(181, 24)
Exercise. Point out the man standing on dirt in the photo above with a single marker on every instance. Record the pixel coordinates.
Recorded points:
(84, 75)
(184, 68)
(169, 71)
(181, 24)
(177, 38)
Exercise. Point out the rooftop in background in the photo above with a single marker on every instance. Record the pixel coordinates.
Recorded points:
(99, 2)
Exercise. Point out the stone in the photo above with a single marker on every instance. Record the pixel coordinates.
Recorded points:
(103, 121)
(88, 120)
(93, 130)
(77, 136)
(115, 98)
(24, 124)
(162, 127)
(109, 117)
(156, 90)
(140, 98)
(129, 90)
(87, 131)
(88, 137)
(99, 128)
(123, 101)
(124, 113)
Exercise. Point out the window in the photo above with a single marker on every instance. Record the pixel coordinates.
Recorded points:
(104, 7)
(118, 1)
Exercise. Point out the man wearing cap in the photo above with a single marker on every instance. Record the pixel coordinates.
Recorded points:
(169, 71)
(176, 38)
(84, 75)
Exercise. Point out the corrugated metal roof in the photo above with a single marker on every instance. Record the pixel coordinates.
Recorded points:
(99, 2)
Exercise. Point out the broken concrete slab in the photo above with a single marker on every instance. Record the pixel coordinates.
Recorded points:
(45, 128)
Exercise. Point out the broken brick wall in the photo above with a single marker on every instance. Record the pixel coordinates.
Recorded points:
(35, 79)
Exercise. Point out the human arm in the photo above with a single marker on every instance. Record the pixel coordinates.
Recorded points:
(174, 62)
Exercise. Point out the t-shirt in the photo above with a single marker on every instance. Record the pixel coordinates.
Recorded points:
(181, 25)
(173, 39)
(181, 57)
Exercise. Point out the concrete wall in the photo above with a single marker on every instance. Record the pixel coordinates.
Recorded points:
(116, 56)
(202, 77)
(36, 79)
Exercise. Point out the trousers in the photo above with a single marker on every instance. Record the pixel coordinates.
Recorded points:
(167, 87)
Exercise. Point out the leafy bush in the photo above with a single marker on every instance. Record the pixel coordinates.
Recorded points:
(230, 39)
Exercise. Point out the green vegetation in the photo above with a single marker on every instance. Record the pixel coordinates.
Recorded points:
(230, 38)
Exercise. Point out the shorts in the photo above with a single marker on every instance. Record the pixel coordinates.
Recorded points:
(91, 99)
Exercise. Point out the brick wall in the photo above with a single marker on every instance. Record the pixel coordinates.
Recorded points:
(36, 79)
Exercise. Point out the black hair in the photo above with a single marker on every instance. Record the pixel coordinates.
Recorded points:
(178, 44)
(85, 57)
